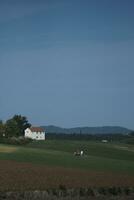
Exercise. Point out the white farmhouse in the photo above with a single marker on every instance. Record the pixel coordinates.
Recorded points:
(36, 133)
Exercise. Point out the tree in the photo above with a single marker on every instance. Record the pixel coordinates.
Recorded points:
(2, 129)
(12, 128)
(16, 125)
(132, 133)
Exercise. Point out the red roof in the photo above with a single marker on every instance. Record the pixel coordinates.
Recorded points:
(36, 129)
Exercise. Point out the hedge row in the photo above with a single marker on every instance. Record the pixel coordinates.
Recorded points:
(111, 193)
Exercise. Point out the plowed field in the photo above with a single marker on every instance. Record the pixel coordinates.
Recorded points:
(26, 176)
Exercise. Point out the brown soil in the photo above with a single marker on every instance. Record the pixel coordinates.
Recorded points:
(26, 176)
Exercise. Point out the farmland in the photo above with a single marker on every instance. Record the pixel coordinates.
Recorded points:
(48, 164)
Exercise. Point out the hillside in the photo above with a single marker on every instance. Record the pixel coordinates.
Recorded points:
(87, 130)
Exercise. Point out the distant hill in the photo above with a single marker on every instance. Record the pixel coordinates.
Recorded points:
(87, 130)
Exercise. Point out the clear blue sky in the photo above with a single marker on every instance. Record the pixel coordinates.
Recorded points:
(67, 62)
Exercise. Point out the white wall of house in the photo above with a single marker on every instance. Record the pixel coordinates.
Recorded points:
(34, 135)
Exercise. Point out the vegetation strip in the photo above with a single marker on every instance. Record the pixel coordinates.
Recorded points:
(113, 193)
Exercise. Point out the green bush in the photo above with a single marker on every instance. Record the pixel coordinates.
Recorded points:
(55, 192)
(102, 191)
(90, 192)
(15, 140)
(82, 192)
(113, 190)
(127, 191)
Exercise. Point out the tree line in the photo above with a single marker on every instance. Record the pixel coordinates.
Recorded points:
(128, 138)
(14, 127)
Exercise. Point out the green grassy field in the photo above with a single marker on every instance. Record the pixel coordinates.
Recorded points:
(98, 156)
(51, 163)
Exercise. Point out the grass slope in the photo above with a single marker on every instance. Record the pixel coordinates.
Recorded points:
(99, 157)
(48, 164)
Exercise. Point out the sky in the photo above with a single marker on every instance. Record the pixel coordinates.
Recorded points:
(67, 63)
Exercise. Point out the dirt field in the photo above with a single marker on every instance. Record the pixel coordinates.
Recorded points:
(26, 176)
